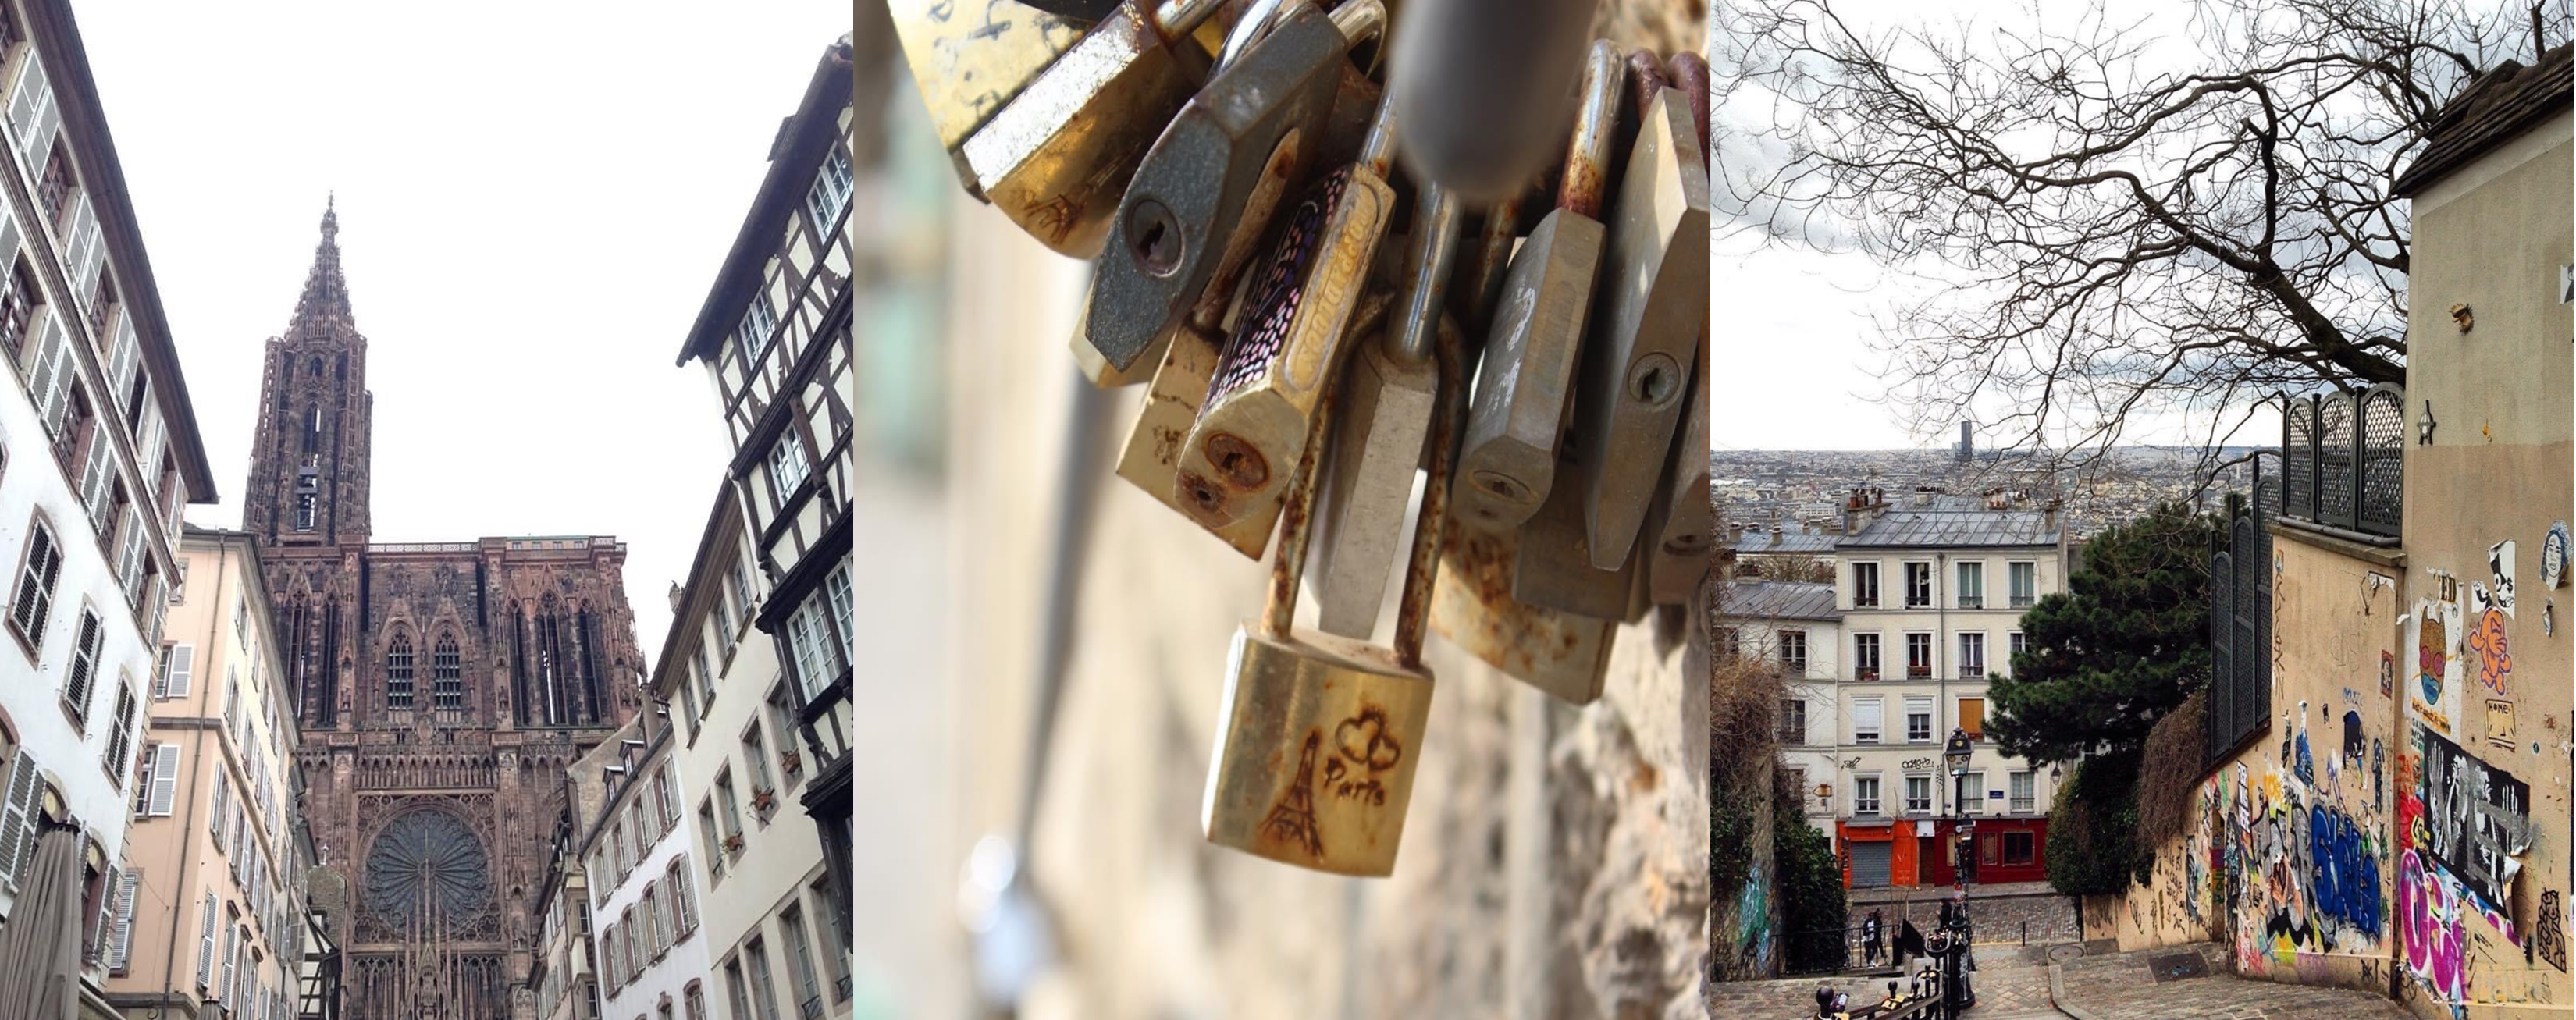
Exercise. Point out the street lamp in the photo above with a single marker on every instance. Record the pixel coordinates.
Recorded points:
(1956, 995)
(1957, 752)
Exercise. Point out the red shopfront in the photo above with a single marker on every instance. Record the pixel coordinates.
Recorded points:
(1918, 852)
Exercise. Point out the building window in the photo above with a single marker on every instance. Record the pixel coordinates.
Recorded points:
(1864, 585)
(2014, 638)
(755, 764)
(55, 190)
(1865, 795)
(782, 728)
(1918, 585)
(734, 990)
(732, 808)
(764, 989)
(1865, 656)
(788, 464)
(1918, 795)
(1918, 720)
(836, 588)
(1793, 652)
(37, 571)
(1972, 656)
(1972, 717)
(2023, 799)
(1865, 721)
(84, 670)
(758, 322)
(18, 303)
(2024, 577)
(694, 1000)
(810, 634)
(714, 840)
(1972, 585)
(684, 904)
(1793, 721)
(1972, 794)
(120, 741)
(1918, 655)
(446, 675)
(398, 673)
(806, 986)
(831, 191)
(2019, 848)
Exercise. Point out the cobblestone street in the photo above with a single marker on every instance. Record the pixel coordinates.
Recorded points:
(2016, 984)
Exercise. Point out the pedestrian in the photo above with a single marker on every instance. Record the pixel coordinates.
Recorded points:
(1870, 936)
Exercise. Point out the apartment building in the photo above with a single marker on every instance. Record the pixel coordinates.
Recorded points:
(1931, 598)
(1795, 629)
(99, 452)
(562, 975)
(210, 914)
(641, 881)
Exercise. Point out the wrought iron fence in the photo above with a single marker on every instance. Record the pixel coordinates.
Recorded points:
(2343, 459)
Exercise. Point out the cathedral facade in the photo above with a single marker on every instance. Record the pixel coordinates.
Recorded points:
(442, 687)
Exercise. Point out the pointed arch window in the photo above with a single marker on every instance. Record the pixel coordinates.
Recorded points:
(446, 675)
(398, 673)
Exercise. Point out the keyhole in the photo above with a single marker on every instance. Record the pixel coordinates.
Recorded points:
(1155, 237)
(1501, 486)
(1655, 381)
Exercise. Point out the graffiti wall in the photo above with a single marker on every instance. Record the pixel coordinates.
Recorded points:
(2291, 858)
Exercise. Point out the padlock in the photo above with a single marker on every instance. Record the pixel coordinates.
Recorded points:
(1055, 157)
(1480, 268)
(969, 60)
(1386, 402)
(1287, 340)
(1209, 185)
(1564, 654)
(1151, 457)
(1553, 566)
(1654, 306)
(1348, 714)
(1690, 74)
(1507, 465)
(1683, 519)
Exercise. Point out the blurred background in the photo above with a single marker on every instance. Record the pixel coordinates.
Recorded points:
(1554, 859)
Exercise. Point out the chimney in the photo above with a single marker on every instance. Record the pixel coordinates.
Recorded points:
(1775, 534)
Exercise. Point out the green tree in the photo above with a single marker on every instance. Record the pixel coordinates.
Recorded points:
(2093, 844)
(2127, 642)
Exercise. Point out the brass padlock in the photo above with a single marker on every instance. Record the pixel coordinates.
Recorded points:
(1565, 654)
(1151, 458)
(1055, 157)
(1287, 340)
(1207, 188)
(967, 61)
(1683, 519)
(1508, 463)
(1387, 400)
(1349, 715)
(1654, 305)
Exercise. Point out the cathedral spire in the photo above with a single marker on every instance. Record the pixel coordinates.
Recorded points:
(325, 299)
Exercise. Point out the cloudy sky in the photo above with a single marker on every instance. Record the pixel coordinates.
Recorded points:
(533, 200)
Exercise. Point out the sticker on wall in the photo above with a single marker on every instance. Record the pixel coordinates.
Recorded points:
(2486, 641)
(2387, 674)
(2352, 743)
(2500, 723)
(2500, 575)
(2307, 762)
(2553, 556)
(2435, 689)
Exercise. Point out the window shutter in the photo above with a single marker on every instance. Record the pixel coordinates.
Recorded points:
(121, 367)
(223, 797)
(224, 983)
(17, 821)
(45, 374)
(95, 473)
(206, 944)
(165, 778)
(121, 937)
(82, 259)
(178, 668)
(31, 111)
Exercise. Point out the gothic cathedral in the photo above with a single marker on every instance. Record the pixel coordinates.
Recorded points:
(444, 687)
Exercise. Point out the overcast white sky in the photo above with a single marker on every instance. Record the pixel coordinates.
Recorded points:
(1801, 319)
(533, 200)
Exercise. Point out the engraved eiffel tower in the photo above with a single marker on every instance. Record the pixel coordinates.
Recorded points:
(1293, 818)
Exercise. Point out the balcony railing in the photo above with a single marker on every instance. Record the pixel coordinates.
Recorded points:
(2343, 459)
(1972, 602)
(1865, 674)
(2023, 601)
(2024, 805)
(1918, 672)
(1972, 672)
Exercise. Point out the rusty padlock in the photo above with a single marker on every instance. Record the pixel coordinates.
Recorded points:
(1389, 395)
(1565, 654)
(1681, 524)
(1350, 715)
(1653, 311)
(1508, 463)
(1055, 158)
(1287, 340)
(1207, 189)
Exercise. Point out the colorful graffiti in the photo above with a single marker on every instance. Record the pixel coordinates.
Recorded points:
(2432, 927)
(2548, 931)
(2495, 658)
(2345, 869)
(2475, 818)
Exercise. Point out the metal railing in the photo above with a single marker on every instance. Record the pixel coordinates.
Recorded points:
(2343, 459)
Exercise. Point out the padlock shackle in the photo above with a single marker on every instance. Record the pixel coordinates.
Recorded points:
(1432, 250)
(1377, 151)
(1690, 74)
(1297, 505)
(1596, 120)
(1177, 18)
(1360, 20)
(1258, 20)
(1646, 80)
(1413, 610)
